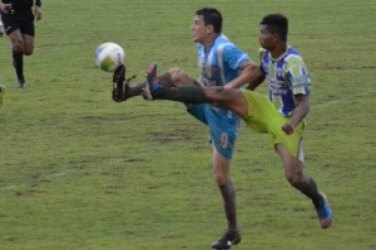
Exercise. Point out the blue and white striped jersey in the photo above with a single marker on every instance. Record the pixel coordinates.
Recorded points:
(287, 77)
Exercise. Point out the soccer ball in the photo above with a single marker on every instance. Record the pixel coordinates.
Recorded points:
(109, 56)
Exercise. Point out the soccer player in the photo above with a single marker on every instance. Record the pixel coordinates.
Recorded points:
(221, 63)
(289, 83)
(18, 20)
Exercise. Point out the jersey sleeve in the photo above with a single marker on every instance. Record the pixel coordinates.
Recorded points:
(297, 76)
(234, 57)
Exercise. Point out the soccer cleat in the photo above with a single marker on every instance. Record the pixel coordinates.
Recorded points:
(227, 241)
(21, 84)
(324, 213)
(119, 89)
(152, 82)
(21, 81)
(119, 74)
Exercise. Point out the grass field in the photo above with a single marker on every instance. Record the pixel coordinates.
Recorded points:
(79, 171)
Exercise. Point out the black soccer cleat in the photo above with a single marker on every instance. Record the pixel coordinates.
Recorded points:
(120, 85)
(21, 84)
(119, 74)
(226, 241)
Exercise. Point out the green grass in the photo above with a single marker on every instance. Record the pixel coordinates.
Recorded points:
(79, 171)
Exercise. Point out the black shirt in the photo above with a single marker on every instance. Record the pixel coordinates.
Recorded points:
(22, 5)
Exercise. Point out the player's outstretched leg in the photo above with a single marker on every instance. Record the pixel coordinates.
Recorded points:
(324, 213)
(228, 240)
(156, 89)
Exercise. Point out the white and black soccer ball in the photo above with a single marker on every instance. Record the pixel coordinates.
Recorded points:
(109, 56)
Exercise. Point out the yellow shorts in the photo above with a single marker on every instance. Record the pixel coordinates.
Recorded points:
(263, 117)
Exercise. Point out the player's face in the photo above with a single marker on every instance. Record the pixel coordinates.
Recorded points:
(266, 38)
(199, 29)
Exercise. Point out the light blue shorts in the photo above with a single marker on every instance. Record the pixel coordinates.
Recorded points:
(223, 125)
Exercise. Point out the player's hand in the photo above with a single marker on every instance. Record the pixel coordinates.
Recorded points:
(119, 85)
(37, 13)
(288, 128)
(6, 7)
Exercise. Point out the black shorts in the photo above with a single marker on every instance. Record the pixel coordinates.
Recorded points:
(22, 21)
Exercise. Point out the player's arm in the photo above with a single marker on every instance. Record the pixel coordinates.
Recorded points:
(302, 109)
(249, 73)
(297, 77)
(255, 82)
(257, 78)
(5, 7)
(38, 10)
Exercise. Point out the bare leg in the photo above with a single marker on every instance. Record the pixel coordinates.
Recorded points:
(28, 44)
(18, 48)
(173, 78)
(295, 176)
(221, 172)
(232, 99)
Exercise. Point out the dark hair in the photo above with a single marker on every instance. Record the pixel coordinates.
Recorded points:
(277, 23)
(211, 17)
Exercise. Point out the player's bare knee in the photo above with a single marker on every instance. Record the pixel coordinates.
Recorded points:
(217, 94)
(177, 75)
(175, 72)
(220, 178)
(28, 52)
(294, 178)
(18, 47)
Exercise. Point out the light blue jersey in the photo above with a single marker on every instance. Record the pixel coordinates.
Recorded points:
(219, 65)
(287, 77)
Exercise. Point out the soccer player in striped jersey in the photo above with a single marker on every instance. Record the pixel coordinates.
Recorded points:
(289, 83)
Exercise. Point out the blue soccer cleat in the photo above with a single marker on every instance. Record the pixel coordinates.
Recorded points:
(324, 213)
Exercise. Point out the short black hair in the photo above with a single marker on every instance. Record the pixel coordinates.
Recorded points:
(278, 24)
(211, 17)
